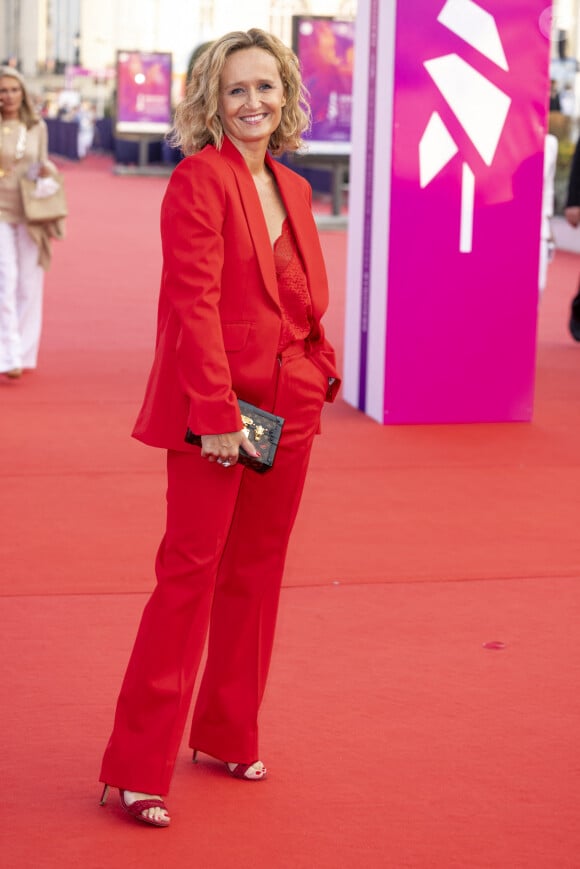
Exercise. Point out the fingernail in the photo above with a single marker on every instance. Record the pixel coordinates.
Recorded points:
(258, 453)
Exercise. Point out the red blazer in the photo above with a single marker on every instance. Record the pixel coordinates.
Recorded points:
(219, 312)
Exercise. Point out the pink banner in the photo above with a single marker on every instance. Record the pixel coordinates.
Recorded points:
(464, 247)
(467, 111)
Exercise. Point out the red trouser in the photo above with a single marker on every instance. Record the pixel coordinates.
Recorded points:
(220, 564)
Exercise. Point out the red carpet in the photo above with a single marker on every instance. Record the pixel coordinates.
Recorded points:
(393, 736)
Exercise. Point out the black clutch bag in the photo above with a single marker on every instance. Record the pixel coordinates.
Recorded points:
(263, 430)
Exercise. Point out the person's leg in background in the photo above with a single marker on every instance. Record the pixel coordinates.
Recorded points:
(574, 324)
(29, 296)
(10, 347)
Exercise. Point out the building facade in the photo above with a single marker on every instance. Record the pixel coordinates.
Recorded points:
(46, 36)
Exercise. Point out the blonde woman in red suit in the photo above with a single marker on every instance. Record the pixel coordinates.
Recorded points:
(243, 290)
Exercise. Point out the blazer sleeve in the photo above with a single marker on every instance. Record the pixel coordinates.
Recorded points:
(192, 216)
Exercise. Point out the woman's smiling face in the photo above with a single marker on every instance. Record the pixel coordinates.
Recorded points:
(251, 97)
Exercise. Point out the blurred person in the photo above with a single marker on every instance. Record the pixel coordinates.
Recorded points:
(195, 55)
(23, 151)
(555, 105)
(84, 115)
(572, 215)
(243, 290)
(546, 235)
(568, 100)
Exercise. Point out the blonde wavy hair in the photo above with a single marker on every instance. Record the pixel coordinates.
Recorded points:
(28, 114)
(197, 124)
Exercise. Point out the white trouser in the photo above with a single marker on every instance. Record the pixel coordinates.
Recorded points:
(21, 282)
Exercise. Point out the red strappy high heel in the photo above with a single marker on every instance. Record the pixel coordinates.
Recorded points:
(137, 808)
(241, 770)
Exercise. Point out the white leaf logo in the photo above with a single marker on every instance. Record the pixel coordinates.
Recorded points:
(480, 106)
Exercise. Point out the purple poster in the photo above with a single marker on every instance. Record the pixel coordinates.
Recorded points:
(143, 92)
(325, 48)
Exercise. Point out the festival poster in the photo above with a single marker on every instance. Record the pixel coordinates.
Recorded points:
(143, 92)
(325, 49)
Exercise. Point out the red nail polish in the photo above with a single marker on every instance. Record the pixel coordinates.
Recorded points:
(258, 453)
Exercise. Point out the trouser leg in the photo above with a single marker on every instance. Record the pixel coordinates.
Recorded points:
(29, 297)
(10, 348)
(156, 691)
(248, 585)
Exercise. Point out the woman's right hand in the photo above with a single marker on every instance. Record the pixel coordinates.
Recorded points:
(225, 448)
(572, 215)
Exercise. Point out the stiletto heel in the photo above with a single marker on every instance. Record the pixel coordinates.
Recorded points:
(194, 759)
(104, 795)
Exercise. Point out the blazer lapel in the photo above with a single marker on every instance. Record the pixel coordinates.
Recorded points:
(303, 226)
(255, 217)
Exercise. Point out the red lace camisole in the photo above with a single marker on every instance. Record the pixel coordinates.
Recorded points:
(293, 289)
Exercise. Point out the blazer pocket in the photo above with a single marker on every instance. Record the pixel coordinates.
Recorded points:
(235, 336)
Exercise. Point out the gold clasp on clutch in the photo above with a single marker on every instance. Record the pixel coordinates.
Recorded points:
(247, 420)
(259, 430)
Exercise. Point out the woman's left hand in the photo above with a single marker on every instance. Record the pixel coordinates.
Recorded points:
(225, 448)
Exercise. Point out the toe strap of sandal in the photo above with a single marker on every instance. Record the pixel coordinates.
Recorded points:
(140, 806)
(240, 770)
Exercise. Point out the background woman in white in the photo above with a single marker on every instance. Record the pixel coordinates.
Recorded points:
(23, 150)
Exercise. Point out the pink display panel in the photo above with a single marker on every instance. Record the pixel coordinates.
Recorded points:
(454, 310)
(325, 49)
(143, 92)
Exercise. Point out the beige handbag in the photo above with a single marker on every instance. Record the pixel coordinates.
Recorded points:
(43, 199)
